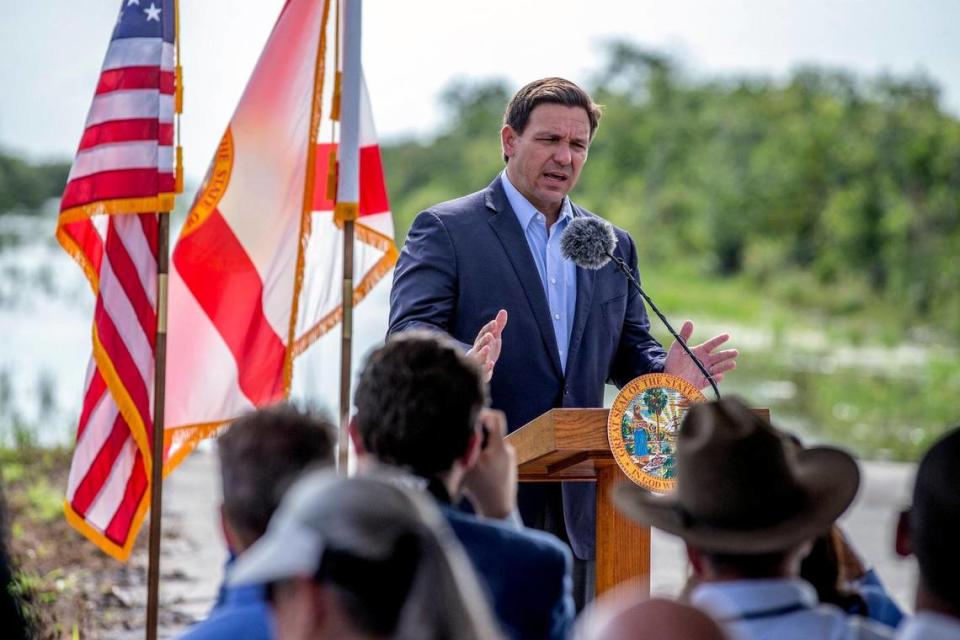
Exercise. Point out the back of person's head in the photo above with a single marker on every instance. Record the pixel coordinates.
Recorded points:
(261, 455)
(365, 558)
(754, 566)
(934, 520)
(625, 615)
(417, 402)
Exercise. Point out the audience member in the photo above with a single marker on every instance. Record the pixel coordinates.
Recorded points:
(930, 530)
(621, 615)
(835, 570)
(748, 505)
(261, 455)
(420, 407)
(361, 558)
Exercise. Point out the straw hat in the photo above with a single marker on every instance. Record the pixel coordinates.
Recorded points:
(741, 488)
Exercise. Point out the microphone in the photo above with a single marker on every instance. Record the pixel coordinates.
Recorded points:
(589, 242)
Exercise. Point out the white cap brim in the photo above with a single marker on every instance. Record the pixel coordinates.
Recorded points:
(283, 552)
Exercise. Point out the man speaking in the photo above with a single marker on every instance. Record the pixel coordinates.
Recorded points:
(487, 269)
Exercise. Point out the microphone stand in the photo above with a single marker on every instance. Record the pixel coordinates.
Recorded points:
(676, 336)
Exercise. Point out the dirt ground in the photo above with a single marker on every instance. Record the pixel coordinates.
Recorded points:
(71, 587)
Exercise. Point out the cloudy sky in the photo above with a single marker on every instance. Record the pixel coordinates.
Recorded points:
(52, 52)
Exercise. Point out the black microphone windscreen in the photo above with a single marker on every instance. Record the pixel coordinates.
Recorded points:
(587, 241)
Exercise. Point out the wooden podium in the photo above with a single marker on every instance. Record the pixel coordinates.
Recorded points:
(571, 444)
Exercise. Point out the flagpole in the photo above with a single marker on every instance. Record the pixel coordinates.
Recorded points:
(347, 206)
(160, 361)
(156, 478)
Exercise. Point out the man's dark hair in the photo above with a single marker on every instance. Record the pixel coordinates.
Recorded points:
(261, 455)
(417, 402)
(756, 566)
(935, 518)
(549, 91)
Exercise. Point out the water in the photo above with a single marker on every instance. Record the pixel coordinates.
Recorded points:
(46, 311)
(885, 401)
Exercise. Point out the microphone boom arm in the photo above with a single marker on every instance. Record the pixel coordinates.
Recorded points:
(676, 336)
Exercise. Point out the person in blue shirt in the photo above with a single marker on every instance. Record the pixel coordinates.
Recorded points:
(261, 455)
(836, 571)
(421, 408)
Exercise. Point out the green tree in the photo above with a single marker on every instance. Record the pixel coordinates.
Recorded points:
(27, 186)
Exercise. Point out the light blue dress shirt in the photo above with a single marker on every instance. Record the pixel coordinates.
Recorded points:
(927, 625)
(558, 275)
(780, 609)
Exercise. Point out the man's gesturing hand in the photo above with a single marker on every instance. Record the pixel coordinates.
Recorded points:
(716, 362)
(486, 348)
(491, 483)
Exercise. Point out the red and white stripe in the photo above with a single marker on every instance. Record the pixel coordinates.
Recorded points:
(126, 151)
(107, 486)
(124, 162)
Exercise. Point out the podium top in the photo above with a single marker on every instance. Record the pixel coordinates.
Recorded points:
(563, 444)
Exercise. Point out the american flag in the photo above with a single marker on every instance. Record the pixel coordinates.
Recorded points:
(122, 176)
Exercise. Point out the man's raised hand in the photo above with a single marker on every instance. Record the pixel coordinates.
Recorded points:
(491, 482)
(489, 341)
(716, 362)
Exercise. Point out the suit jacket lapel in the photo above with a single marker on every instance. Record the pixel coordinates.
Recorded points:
(585, 282)
(505, 224)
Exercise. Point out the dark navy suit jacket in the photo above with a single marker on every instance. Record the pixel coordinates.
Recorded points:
(466, 259)
(526, 574)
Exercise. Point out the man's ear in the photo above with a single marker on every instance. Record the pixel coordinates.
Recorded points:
(355, 437)
(508, 138)
(229, 535)
(903, 544)
(469, 457)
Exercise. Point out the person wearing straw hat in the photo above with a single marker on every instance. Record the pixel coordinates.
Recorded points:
(747, 505)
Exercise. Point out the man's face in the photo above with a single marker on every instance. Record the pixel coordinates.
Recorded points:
(544, 161)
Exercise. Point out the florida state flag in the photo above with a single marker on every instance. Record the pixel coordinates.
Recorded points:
(255, 275)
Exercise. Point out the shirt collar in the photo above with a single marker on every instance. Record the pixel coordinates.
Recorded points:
(926, 625)
(246, 594)
(242, 595)
(524, 210)
(738, 597)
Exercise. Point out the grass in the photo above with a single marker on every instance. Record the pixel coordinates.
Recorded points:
(882, 410)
